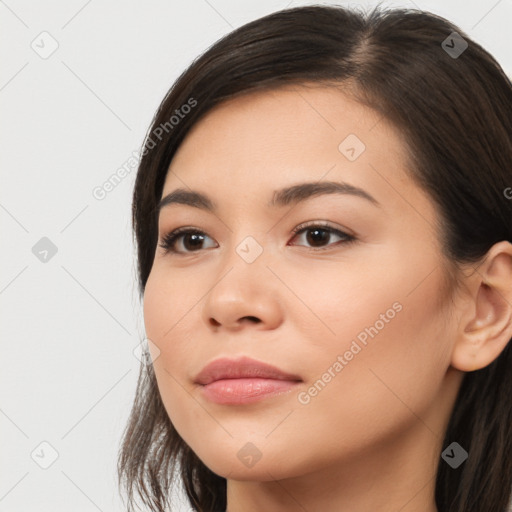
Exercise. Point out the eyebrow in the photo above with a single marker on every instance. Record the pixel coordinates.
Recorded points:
(281, 198)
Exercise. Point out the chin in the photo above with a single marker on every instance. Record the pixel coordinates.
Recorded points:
(261, 472)
(243, 461)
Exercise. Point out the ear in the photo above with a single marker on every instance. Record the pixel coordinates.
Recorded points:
(485, 326)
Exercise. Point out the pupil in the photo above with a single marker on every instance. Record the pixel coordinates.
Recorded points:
(317, 239)
(196, 238)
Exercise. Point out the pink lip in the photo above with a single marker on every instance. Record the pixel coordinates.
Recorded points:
(244, 380)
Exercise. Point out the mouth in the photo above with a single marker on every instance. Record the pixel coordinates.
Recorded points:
(244, 380)
(244, 391)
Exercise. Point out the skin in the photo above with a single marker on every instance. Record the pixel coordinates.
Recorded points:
(371, 438)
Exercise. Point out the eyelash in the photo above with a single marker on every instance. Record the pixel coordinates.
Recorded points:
(169, 240)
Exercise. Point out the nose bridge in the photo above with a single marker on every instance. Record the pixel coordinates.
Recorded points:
(249, 239)
(250, 249)
(247, 256)
(242, 289)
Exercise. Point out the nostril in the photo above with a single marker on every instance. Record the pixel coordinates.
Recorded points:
(252, 318)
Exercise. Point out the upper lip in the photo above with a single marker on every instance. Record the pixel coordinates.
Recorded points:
(243, 367)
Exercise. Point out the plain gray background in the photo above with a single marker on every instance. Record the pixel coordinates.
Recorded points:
(72, 319)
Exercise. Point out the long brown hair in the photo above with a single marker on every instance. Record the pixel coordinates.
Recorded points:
(453, 106)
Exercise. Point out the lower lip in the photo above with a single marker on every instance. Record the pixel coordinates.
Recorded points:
(244, 391)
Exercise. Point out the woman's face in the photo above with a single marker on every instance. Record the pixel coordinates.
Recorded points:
(364, 324)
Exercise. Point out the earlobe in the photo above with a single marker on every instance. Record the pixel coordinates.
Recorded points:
(486, 328)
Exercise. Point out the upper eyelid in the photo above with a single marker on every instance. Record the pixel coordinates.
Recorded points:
(309, 224)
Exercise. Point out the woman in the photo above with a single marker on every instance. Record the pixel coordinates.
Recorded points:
(323, 218)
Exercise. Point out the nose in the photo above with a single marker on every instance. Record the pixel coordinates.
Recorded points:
(245, 295)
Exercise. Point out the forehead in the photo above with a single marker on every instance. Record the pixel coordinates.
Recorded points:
(281, 128)
(266, 140)
(294, 119)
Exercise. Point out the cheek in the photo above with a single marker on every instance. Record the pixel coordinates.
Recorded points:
(167, 312)
(164, 305)
(393, 340)
(160, 317)
(154, 305)
(161, 314)
(394, 360)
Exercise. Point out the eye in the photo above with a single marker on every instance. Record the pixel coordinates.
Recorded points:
(320, 233)
(191, 240)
